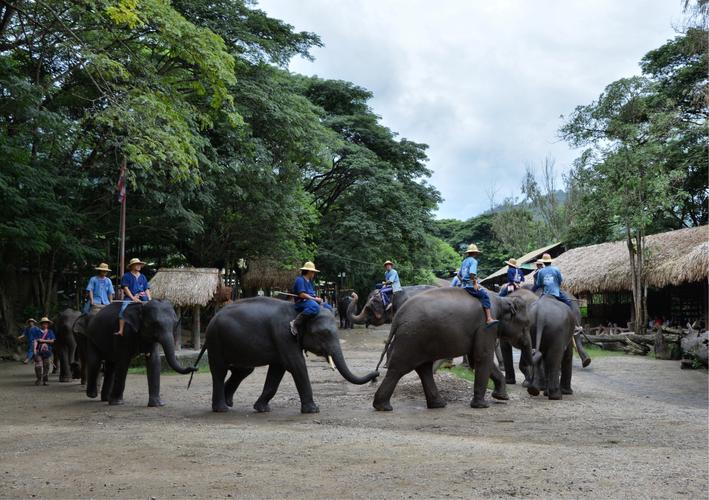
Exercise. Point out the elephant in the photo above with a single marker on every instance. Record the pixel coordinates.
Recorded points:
(148, 326)
(506, 348)
(552, 330)
(374, 312)
(446, 323)
(66, 349)
(254, 332)
(343, 308)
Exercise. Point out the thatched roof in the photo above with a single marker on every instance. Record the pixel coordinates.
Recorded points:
(184, 287)
(525, 259)
(265, 274)
(672, 258)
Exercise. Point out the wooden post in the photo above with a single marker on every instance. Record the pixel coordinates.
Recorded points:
(196, 340)
(178, 333)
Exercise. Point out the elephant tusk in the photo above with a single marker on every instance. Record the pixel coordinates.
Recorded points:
(332, 363)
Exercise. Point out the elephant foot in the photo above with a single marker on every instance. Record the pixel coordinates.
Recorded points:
(262, 407)
(479, 403)
(116, 402)
(382, 406)
(64, 379)
(155, 402)
(104, 398)
(553, 395)
(230, 403)
(221, 408)
(309, 408)
(586, 362)
(510, 381)
(436, 403)
(532, 390)
(502, 396)
(91, 394)
(567, 391)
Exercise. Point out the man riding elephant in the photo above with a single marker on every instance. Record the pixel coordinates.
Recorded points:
(468, 275)
(307, 303)
(391, 285)
(100, 288)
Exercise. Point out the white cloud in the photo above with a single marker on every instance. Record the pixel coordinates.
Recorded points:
(482, 83)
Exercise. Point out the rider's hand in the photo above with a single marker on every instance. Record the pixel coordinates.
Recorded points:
(136, 299)
(476, 286)
(318, 300)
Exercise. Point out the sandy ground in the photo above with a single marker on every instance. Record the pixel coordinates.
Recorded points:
(635, 428)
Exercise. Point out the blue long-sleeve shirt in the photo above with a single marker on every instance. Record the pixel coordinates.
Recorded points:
(468, 271)
(515, 275)
(391, 276)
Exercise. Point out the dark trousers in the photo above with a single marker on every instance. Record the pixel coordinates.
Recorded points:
(479, 294)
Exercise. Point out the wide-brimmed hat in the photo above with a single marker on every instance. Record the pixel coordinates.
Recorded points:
(512, 263)
(103, 267)
(31, 319)
(538, 262)
(134, 262)
(546, 259)
(388, 262)
(45, 320)
(472, 248)
(309, 266)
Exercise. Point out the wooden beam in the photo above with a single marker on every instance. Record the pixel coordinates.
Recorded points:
(196, 340)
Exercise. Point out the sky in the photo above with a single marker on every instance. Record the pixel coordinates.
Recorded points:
(483, 83)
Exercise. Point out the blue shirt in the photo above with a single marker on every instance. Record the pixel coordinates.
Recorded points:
(455, 282)
(468, 270)
(550, 278)
(45, 353)
(137, 286)
(302, 285)
(102, 288)
(31, 334)
(391, 276)
(515, 275)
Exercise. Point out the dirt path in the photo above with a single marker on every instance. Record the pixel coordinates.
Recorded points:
(635, 428)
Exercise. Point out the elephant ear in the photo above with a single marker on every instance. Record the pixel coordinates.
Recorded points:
(80, 324)
(133, 316)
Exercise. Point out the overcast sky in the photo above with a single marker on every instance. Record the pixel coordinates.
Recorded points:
(483, 83)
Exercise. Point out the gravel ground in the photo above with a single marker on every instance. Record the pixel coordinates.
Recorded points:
(636, 427)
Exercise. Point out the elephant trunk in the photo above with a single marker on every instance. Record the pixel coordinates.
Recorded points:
(168, 346)
(344, 370)
(361, 318)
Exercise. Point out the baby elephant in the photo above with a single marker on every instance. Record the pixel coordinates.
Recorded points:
(255, 332)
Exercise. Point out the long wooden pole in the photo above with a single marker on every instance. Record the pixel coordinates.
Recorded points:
(122, 252)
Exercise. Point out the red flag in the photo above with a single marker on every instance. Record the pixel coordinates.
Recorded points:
(121, 187)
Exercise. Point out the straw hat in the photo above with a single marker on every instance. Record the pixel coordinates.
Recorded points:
(388, 262)
(546, 259)
(512, 263)
(103, 267)
(45, 320)
(472, 248)
(134, 262)
(31, 319)
(309, 266)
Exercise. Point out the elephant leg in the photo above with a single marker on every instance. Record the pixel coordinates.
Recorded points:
(92, 370)
(299, 372)
(508, 362)
(498, 379)
(433, 398)
(152, 370)
(109, 370)
(232, 383)
(553, 373)
(566, 369)
(273, 380)
(382, 398)
(482, 355)
(64, 365)
(120, 372)
(585, 358)
(219, 370)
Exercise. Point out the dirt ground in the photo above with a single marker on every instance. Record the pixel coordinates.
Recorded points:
(636, 427)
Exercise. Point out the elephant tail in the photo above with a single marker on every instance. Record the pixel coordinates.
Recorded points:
(196, 364)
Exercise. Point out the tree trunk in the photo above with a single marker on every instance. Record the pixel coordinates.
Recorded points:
(196, 340)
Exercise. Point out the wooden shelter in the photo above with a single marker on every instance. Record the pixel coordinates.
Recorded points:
(677, 273)
(268, 275)
(189, 287)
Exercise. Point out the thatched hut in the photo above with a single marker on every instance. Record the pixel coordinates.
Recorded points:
(676, 272)
(527, 260)
(268, 275)
(189, 287)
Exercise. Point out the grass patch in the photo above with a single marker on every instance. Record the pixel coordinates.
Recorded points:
(465, 373)
(141, 370)
(597, 352)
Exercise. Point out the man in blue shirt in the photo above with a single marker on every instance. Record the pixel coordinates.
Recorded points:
(43, 344)
(468, 275)
(29, 334)
(135, 289)
(307, 303)
(549, 279)
(100, 288)
(515, 277)
(391, 284)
